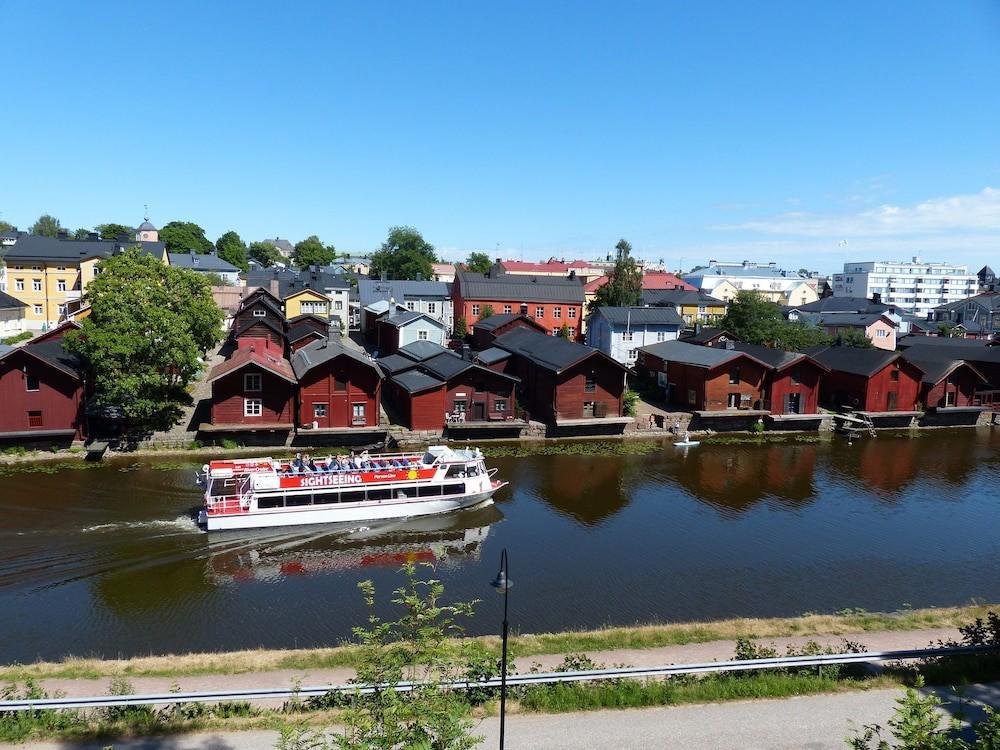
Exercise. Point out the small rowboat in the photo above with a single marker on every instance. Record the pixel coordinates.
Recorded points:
(687, 443)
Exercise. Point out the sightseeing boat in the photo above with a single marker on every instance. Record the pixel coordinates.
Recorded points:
(247, 493)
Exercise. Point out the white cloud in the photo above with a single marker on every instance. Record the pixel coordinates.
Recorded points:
(976, 212)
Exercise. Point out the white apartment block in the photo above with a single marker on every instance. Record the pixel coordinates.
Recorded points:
(914, 286)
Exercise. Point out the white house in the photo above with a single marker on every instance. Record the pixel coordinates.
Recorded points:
(405, 327)
(621, 331)
(430, 297)
(724, 280)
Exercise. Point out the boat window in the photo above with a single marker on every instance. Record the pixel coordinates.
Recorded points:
(352, 497)
(454, 489)
(326, 498)
(455, 470)
(293, 500)
(429, 458)
(270, 502)
(431, 490)
(379, 494)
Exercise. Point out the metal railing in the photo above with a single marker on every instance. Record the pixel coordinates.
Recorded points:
(539, 678)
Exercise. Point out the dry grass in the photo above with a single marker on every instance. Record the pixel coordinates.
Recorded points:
(522, 645)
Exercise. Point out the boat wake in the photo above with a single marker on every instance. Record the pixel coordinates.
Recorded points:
(181, 524)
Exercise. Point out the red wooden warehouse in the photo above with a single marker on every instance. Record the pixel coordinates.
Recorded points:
(946, 383)
(252, 390)
(339, 387)
(869, 380)
(42, 390)
(488, 329)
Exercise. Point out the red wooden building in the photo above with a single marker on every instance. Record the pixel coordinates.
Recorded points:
(869, 380)
(551, 301)
(252, 390)
(489, 329)
(792, 384)
(303, 331)
(42, 391)
(260, 329)
(562, 381)
(946, 382)
(339, 387)
(259, 304)
(705, 378)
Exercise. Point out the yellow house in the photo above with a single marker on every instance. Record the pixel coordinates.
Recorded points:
(47, 273)
(801, 294)
(691, 306)
(307, 302)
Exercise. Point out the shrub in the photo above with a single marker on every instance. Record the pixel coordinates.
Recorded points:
(230, 444)
(630, 400)
(10, 340)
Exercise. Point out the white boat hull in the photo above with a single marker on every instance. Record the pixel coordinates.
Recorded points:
(363, 511)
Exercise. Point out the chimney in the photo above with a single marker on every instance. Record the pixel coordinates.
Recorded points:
(572, 273)
(876, 298)
(62, 234)
(730, 344)
(420, 276)
(771, 264)
(93, 236)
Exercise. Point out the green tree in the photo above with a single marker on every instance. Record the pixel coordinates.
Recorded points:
(478, 262)
(184, 236)
(312, 252)
(796, 336)
(412, 648)
(486, 312)
(233, 250)
(564, 331)
(624, 285)
(6, 227)
(143, 354)
(81, 234)
(461, 328)
(264, 253)
(112, 231)
(403, 255)
(751, 318)
(46, 225)
(854, 337)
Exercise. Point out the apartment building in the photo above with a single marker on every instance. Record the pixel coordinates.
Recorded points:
(914, 286)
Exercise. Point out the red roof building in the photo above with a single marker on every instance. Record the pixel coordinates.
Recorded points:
(665, 280)
(869, 380)
(252, 390)
(489, 329)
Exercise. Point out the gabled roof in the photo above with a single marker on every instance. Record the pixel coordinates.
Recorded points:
(305, 290)
(418, 351)
(371, 290)
(679, 297)
(708, 357)
(251, 322)
(201, 262)
(842, 305)
(396, 363)
(33, 247)
(664, 280)
(406, 317)
(304, 317)
(301, 331)
(779, 359)
(853, 360)
(936, 370)
(10, 303)
(492, 355)
(264, 359)
(989, 300)
(53, 353)
(854, 320)
(319, 352)
(500, 286)
(261, 297)
(501, 319)
(550, 352)
(705, 335)
(640, 316)
(413, 381)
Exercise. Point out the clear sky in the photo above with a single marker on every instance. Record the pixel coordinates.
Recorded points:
(771, 131)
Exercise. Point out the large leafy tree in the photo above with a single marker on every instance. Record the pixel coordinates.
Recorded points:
(755, 320)
(184, 236)
(264, 253)
(233, 250)
(46, 225)
(403, 255)
(143, 354)
(478, 262)
(312, 252)
(111, 231)
(81, 234)
(5, 227)
(624, 285)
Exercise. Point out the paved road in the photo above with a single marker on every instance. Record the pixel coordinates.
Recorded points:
(818, 722)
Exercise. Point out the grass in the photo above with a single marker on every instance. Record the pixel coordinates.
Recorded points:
(521, 645)
(589, 448)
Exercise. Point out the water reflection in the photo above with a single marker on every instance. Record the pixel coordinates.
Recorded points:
(270, 556)
(589, 489)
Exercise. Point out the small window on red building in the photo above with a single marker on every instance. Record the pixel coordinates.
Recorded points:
(34, 419)
(734, 376)
(339, 384)
(796, 376)
(30, 382)
(894, 375)
(590, 384)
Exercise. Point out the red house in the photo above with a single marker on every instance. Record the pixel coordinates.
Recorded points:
(339, 387)
(946, 382)
(260, 329)
(252, 390)
(304, 332)
(488, 329)
(562, 381)
(792, 384)
(551, 301)
(42, 391)
(259, 304)
(869, 380)
(418, 399)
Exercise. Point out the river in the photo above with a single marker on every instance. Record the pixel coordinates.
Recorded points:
(105, 560)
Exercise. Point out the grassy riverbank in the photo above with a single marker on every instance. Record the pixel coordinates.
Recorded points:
(521, 645)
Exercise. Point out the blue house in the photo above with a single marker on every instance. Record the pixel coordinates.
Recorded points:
(620, 332)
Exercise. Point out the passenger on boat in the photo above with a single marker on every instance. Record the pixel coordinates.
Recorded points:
(311, 464)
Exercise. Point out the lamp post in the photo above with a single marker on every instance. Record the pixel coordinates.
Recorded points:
(502, 584)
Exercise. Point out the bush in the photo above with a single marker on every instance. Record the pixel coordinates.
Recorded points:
(630, 401)
(230, 444)
(11, 340)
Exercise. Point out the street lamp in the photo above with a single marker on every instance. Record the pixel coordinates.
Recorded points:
(502, 584)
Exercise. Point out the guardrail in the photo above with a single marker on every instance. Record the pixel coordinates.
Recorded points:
(540, 678)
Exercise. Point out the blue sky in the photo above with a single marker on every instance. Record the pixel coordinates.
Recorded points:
(730, 130)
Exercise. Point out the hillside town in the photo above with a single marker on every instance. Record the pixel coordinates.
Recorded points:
(372, 350)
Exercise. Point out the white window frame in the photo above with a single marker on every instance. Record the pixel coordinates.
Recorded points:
(259, 313)
(36, 285)
(253, 407)
(18, 285)
(320, 411)
(61, 285)
(475, 310)
(539, 311)
(252, 382)
(422, 336)
(556, 312)
(507, 309)
(38, 310)
(572, 312)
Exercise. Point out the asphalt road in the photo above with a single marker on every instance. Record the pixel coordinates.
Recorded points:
(819, 722)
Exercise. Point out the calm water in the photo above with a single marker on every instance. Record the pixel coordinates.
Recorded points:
(107, 561)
